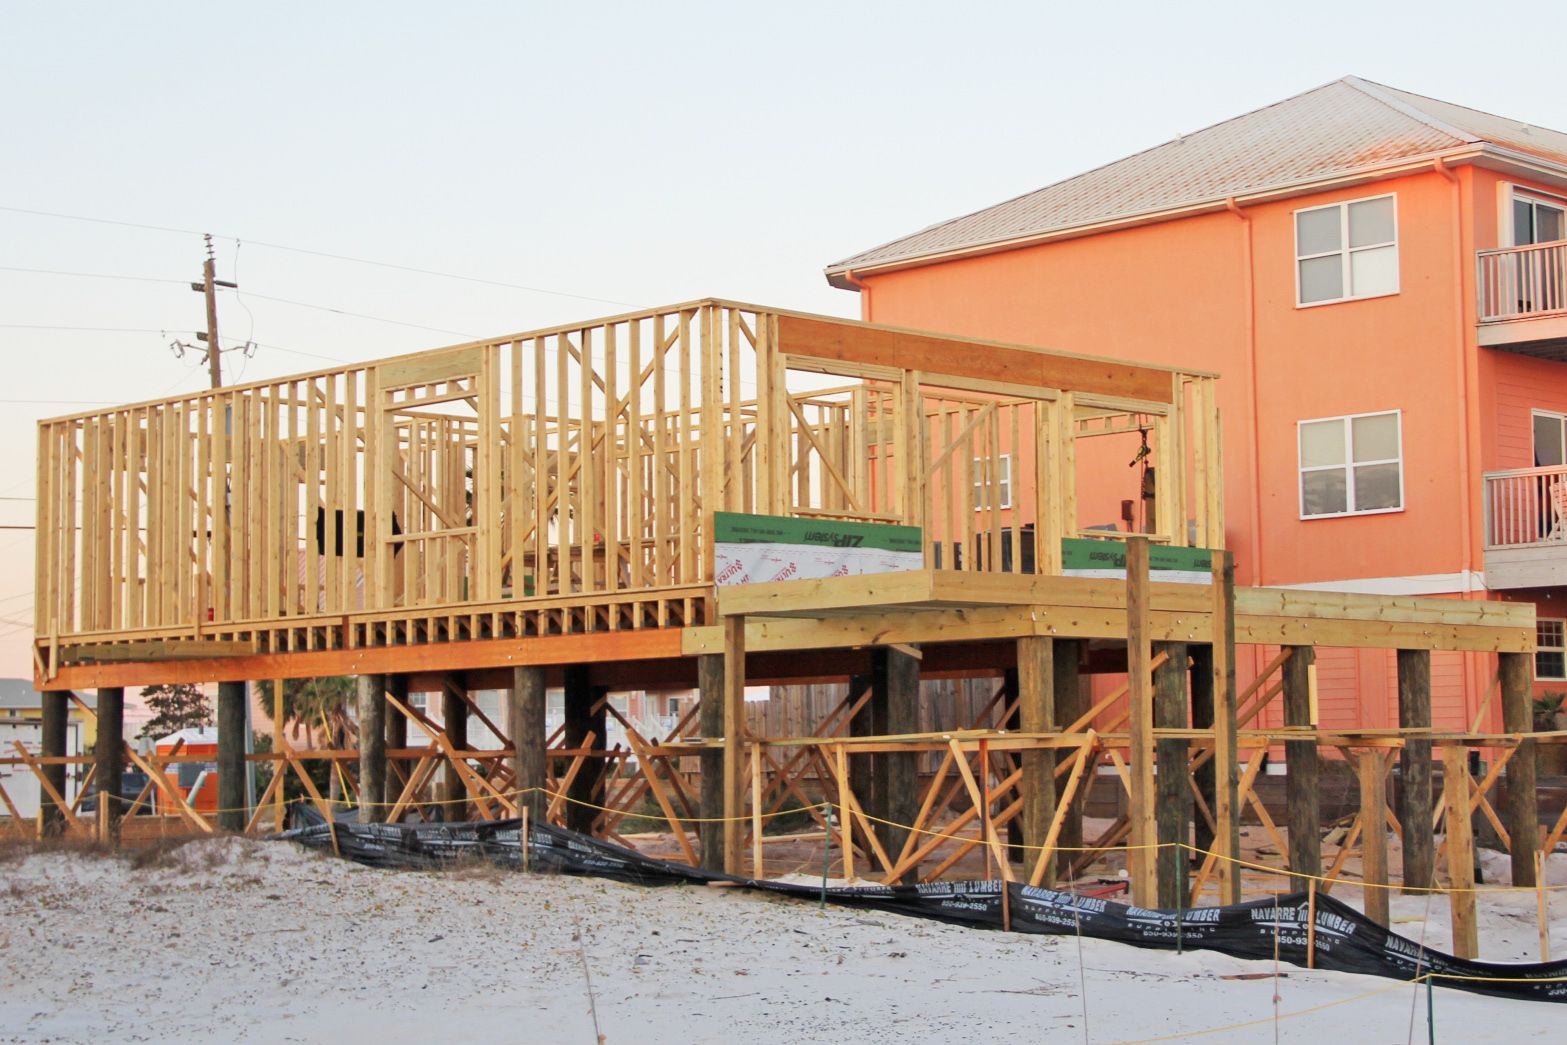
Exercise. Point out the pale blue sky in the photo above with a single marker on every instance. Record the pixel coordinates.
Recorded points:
(633, 153)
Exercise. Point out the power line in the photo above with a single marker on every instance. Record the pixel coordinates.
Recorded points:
(100, 221)
(442, 275)
(325, 254)
(362, 315)
(141, 330)
(90, 275)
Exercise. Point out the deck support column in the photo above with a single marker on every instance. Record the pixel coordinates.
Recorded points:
(862, 771)
(56, 709)
(525, 717)
(1301, 784)
(582, 719)
(1142, 856)
(1372, 768)
(1201, 658)
(1460, 851)
(454, 723)
(734, 744)
(1036, 694)
(396, 733)
(1174, 816)
(231, 756)
(110, 762)
(1226, 746)
(372, 748)
(895, 694)
(710, 712)
(1522, 811)
(1071, 703)
(1415, 807)
(710, 723)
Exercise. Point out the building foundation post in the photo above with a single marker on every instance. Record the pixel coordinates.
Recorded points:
(1415, 808)
(56, 713)
(1301, 784)
(109, 756)
(372, 748)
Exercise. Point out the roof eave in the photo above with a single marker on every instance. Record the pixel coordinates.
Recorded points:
(844, 276)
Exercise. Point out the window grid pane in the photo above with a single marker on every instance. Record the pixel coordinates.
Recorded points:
(1347, 251)
(1550, 660)
(1350, 465)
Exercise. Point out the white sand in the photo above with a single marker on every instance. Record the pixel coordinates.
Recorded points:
(247, 941)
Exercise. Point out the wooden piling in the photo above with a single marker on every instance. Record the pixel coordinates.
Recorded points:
(396, 722)
(734, 736)
(56, 712)
(1226, 755)
(1070, 704)
(371, 692)
(110, 762)
(232, 814)
(525, 721)
(1522, 810)
(1141, 855)
(1301, 784)
(580, 721)
(1372, 767)
(1036, 714)
(895, 676)
(1201, 658)
(710, 712)
(454, 723)
(1173, 816)
(1460, 851)
(1415, 809)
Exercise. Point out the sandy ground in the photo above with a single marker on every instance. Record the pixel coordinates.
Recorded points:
(237, 940)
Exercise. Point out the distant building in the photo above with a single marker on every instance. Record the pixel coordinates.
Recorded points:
(1381, 280)
(21, 721)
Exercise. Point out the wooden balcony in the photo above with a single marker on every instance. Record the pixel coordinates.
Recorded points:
(1523, 299)
(1526, 528)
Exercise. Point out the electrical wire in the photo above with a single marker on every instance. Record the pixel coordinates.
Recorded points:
(323, 254)
(90, 275)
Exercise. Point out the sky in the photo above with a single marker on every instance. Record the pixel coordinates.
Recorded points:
(589, 157)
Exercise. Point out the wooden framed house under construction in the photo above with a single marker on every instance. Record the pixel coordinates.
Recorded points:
(546, 509)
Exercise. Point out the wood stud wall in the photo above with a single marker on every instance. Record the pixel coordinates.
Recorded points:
(561, 481)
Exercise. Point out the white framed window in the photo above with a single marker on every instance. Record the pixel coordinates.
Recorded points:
(1351, 465)
(1550, 655)
(1003, 469)
(1538, 220)
(1345, 251)
(1550, 438)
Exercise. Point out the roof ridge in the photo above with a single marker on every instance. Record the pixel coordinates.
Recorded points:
(1379, 91)
(1083, 174)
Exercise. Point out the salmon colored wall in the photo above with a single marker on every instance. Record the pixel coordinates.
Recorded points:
(1176, 294)
(1129, 294)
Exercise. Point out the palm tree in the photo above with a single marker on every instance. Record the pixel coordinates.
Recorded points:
(319, 706)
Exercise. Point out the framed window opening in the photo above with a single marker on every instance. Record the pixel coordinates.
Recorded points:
(1003, 477)
(1346, 251)
(1351, 465)
(1550, 658)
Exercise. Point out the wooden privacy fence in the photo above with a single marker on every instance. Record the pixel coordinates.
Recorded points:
(564, 480)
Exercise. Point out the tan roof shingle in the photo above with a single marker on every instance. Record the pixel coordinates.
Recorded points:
(1344, 126)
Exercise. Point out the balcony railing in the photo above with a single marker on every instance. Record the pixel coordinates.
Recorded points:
(1522, 282)
(1526, 507)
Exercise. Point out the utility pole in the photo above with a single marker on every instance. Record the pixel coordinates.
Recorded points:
(209, 287)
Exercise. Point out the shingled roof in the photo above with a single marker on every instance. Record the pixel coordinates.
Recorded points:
(1338, 129)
